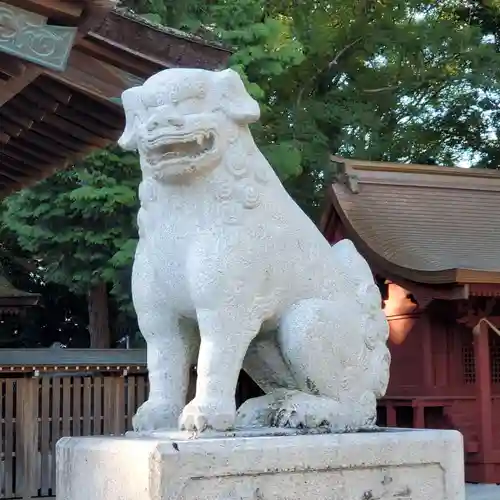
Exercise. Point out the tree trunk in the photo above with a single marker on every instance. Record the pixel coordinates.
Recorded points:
(100, 335)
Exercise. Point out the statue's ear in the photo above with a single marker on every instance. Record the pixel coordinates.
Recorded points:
(236, 101)
(133, 107)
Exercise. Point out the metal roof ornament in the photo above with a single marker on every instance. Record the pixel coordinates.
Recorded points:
(27, 35)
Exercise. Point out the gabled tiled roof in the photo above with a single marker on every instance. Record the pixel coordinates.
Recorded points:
(430, 225)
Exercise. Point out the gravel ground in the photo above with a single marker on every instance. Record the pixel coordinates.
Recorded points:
(483, 492)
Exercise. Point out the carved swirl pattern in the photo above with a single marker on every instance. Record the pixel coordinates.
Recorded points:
(230, 212)
(224, 190)
(190, 89)
(237, 167)
(239, 187)
(261, 175)
(250, 196)
(26, 35)
(175, 94)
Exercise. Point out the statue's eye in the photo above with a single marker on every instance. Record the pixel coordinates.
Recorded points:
(175, 94)
(200, 90)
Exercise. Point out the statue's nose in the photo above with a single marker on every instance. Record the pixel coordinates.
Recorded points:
(174, 121)
(152, 125)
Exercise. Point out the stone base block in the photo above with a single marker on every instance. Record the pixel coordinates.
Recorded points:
(385, 465)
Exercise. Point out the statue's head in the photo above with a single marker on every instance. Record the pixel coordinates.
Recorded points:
(182, 120)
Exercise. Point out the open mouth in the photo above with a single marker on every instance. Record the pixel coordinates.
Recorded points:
(193, 146)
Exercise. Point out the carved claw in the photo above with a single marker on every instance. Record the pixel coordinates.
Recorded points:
(298, 410)
(155, 415)
(201, 417)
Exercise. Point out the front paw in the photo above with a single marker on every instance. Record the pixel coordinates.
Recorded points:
(154, 415)
(201, 416)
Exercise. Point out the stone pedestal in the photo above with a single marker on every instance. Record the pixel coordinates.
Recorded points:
(385, 465)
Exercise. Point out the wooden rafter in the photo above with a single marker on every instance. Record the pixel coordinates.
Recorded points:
(11, 66)
(8, 126)
(50, 118)
(90, 120)
(131, 36)
(11, 165)
(127, 58)
(35, 97)
(10, 88)
(36, 156)
(91, 76)
(60, 93)
(13, 152)
(21, 107)
(9, 158)
(14, 121)
(69, 10)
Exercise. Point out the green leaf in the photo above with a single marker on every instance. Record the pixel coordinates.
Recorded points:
(152, 18)
(285, 157)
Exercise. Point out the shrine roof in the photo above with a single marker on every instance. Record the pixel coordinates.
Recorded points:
(61, 99)
(13, 299)
(427, 224)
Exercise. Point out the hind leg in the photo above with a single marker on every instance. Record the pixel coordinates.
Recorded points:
(264, 363)
(331, 347)
(332, 354)
(322, 343)
(290, 408)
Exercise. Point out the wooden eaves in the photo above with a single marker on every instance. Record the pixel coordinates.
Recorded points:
(44, 361)
(51, 116)
(426, 224)
(13, 300)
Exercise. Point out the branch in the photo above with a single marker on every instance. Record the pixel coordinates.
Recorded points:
(343, 51)
(382, 89)
(331, 64)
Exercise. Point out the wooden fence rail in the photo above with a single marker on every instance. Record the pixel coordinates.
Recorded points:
(43, 401)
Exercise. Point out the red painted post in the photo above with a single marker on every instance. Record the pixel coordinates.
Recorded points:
(428, 359)
(391, 416)
(418, 416)
(441, 357)
(483, 390)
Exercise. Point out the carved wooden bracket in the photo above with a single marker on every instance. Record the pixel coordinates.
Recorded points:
(11, 87)
(472, 316)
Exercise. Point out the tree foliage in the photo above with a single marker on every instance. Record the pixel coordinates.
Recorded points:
(80, 222)
(394, 80)
(79, 225)
(62, 315)
(413, 80)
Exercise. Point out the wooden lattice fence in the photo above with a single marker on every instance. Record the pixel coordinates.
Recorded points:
(43, 401)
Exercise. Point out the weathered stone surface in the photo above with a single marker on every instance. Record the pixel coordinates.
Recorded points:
(391, 465)
(224, 248)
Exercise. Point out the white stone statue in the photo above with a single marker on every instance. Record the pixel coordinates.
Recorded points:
(230, 273)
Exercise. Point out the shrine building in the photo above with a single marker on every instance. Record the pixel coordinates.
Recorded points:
(430, 235)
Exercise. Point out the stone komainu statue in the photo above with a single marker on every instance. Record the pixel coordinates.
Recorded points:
(230, 273)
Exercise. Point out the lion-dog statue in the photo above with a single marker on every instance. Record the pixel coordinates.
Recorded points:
(230, 273)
